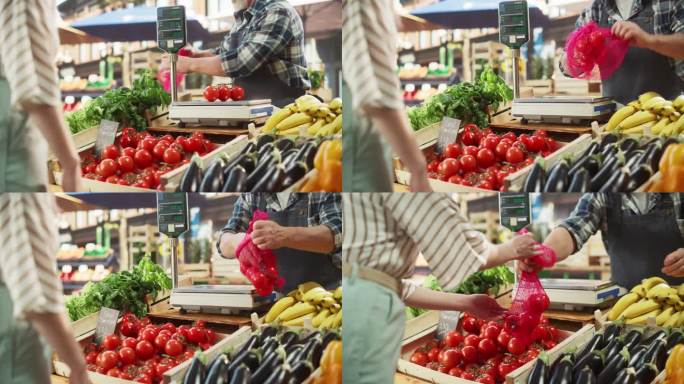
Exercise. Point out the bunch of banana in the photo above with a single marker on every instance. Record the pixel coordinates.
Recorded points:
(308, 301)
(654, 297)
(663, 117)
(306, 114)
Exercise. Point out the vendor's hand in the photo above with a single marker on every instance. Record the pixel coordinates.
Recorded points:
(182, 64)
(520, 247)
(483, 307)
(674, 264)
(268, 234)
(629, 31)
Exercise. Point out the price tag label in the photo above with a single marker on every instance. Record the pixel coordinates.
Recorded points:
(448, 321)
(251, 128)
(448, 132)
(106, 134)
(106, 323)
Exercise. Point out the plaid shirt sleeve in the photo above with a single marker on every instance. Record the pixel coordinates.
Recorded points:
(330, 213)
(585, 220)
(242, 214)
(257, 47)
(677, 26)
(591, 13)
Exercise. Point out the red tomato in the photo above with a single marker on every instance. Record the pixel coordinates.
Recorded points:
(195, 335)
(114, 372)
(205, 346)
(419, 358)
(456, 372)
(144, 350)
(433, 165)
(142, 158)
(537, 303)
(548, 344)
(432, 365)
(172, 156)
(90, 168)
(510, 136)
(538, 333)
(110, 152)
(160, 341)
(501, 150)
(127, 355)
(470, 324)
(492, 331)
(198, 135)
(165, 332)
(210, 93)
(486, 348)
(111, 342)
(540, 132)
(126, 163)
(106, 168)
(508, 365)
(472, 340)
(158, 151)
(130, 152)
(485, 158)
(194, 145)
(470, 150)
(514, 155)
(183, 330)
(434, 354)
(164, 365)
(168, 139)
(551, 144)
(112, 180)
(129, 342)
(169, 327)
(448, 167)
(451, 358)
(149, 143)
(91, 357)
(469, 354)
(455, 179)
(453, 339)
(173, 348)
(237, 93)
(127, 141)
(485, 379)
(468, 163)
(516, 346)
(453, 151)
(503, 339)
(442, 369)
(223, 92)
(107, 360)
(536, 144)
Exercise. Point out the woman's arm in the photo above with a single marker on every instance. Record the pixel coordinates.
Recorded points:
(53, 327)
(481, 306)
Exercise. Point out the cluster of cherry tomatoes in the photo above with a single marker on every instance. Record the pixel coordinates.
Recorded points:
(483, 352)
(139, 159)
(481, 158)
(142, 351)
(223, 92)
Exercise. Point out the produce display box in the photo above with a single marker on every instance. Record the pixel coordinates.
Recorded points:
(169, 181)
(422, 329)
(513, 182)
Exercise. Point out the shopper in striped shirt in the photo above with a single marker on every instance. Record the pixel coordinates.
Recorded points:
(382, 236)
(30, 105)
(377, 116)
(31, 304)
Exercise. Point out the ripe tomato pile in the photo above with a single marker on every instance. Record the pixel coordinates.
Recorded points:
(483, 159)
(142, 351)
(483, 351)
(139, 159)
(223, 92)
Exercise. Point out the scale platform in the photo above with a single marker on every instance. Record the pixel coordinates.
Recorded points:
(563, 109)
(220, 113)
(573, 294)
(221, 299)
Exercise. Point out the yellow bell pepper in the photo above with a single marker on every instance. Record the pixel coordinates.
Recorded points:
(331, 364)
(674, 368)
(671, 170)
(328, 163)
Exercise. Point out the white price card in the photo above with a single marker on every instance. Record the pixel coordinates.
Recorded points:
(106, 134)
(106, 323)
(448, 132)
(448, 321)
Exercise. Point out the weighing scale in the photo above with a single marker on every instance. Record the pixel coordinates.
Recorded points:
(171, 37)
(514, 210)
(577, 294)
(514, 32)
(172, 219)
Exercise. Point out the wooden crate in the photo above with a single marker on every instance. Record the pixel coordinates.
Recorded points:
(200, 270)
(570, 86)
(142, 234)
(133, 61)
(485, 222)
(540, 87)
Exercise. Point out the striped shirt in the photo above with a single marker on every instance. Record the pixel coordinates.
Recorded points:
(28, 29)
(369, 43)
(387, 231)
(590, 213)
(27, 265)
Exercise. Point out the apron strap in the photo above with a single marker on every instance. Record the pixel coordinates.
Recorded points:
(372, 275)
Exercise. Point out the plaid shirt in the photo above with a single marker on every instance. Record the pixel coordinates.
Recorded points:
(324, 209)
(668, 18)
(590, 213)
(269, 34)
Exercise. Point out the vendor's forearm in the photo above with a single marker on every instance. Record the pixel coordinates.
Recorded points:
(668, 45)
(208, 65)
(429, 299)
(561, 241)
(229, 241)
(319, 239)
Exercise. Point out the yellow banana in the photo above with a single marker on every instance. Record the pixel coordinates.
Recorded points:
(294, 131)
(336, 103)
(638, 118)
(622, 304)
(295, 311)
(635, 103)
(639, 290)
(310, 294)
(678, 102)
(660, 125)
(315, 127)
(277, 308)
(335, 308)
(673, 320)
(307, 286)
(639, 129)
(643, 318)
(299, 321)
(320, 317)
(667, 110)
(338, 293)
(338, 320)
(275, 119)
(306, 101)
(680, 290)
(619, 115)
(659, 292)
(652, 282)
(664, 316)
(644, 97)
(640, 308)
(653, 103)
(294, 121)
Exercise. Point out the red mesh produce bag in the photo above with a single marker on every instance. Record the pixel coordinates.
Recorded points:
(593, 52)
(258, 265)
(530, 299)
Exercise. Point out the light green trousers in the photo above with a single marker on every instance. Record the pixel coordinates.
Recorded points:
(373, 328)
(22, 355)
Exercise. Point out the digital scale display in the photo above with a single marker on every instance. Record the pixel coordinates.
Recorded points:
(514, 210)
(514, 23)
(171, 28)
(172, 213)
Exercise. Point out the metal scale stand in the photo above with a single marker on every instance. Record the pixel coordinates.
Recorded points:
(172, 219)
(171, 37)
(514, 32)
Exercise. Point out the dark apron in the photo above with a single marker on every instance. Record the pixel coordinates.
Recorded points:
(262, 84)
(297, 266)
(642, 70)
(637, 244)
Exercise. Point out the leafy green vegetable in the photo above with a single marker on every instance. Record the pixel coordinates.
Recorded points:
(124, 105)
(467, 102)
(124, 291)
(479, 282)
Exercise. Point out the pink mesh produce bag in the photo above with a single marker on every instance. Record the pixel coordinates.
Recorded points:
(530, 299)
(258, 265)
(593, 52)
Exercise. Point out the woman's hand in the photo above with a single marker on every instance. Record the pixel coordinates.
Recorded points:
(71, 179)
(483, 307)
(520, 247)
